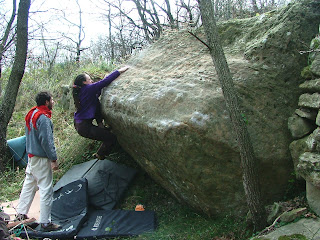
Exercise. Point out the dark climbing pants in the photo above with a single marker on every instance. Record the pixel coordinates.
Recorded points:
(86, 129)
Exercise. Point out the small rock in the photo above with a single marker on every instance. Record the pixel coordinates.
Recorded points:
(292, 215)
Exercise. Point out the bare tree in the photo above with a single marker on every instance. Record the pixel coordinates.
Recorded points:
(149, 29)
(17, 72)
(190, 17)
(255, 6)
(149, 21)
(124, 33)
(110, 34)
(173, 23)
(155, 20)
(80, 35)
(119, 36)
(50, 55)
(122, 44)
(5, 41)
(248, 160)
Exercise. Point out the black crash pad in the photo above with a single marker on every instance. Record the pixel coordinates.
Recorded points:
(83, 189)
(107, 181)
(117, 223)
(69, 209)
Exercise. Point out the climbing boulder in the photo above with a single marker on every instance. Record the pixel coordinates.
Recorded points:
(169, 113)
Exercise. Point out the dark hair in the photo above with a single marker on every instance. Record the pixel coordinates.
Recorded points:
(42, 97)
(77, 84)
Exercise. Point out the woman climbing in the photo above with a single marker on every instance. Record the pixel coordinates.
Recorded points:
(86, 99)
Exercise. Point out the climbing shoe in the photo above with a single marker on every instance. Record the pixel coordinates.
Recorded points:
(48, 227)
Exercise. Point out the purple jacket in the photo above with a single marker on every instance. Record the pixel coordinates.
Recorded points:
(89, 97)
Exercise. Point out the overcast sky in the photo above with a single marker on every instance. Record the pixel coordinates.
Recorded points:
(49, 12)
(91, 17)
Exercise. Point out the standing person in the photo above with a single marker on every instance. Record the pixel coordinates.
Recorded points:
(86, 99)
(42, 158)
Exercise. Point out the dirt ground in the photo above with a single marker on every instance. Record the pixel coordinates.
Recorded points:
(34, 212)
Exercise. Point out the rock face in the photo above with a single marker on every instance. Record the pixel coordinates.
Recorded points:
(304, 127)
(305, 150)
(169, 113)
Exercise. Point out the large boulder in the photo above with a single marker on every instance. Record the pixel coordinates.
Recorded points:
(169, 113)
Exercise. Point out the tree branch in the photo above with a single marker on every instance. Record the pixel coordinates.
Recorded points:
(204, 43)
(310, 51)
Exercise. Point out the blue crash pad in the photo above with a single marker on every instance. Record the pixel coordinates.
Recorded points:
(17, 148)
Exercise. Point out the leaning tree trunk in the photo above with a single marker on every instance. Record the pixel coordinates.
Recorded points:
(248, 163)
(9, 99)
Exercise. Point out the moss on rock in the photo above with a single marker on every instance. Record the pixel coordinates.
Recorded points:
(293, 237)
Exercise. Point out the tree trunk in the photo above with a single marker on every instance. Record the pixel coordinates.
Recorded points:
(50, 56)
(170, 17)
(156, 21)
(11, 90)
(189, 11)
(248, 161)
(80, 33)
(78, 52)
(110, 36)
(123, 44)
(143, 19)
(255, 6)
(216, 9)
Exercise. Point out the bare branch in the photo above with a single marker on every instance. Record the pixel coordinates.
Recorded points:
(309, 51)
(3, 44)
(203, 42)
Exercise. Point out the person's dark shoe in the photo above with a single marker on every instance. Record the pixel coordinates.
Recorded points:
(48, 227)
(100, 157)
(4, 217)
(20, 217)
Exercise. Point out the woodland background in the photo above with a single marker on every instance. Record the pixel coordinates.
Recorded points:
(55, 57)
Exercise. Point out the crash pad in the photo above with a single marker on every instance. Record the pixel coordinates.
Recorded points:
(69, 209)
(83, 206)
(107, 181)
(17, 147)
(117, 223)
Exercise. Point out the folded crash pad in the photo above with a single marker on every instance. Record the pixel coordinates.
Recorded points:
(17, 147)
(107, 181)
(69, 209)
(117, 223)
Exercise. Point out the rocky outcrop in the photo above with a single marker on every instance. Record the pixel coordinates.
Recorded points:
(304, 127)
(303, 229)
(169, 113)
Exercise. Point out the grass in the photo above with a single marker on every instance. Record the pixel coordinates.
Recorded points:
(174, 219)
